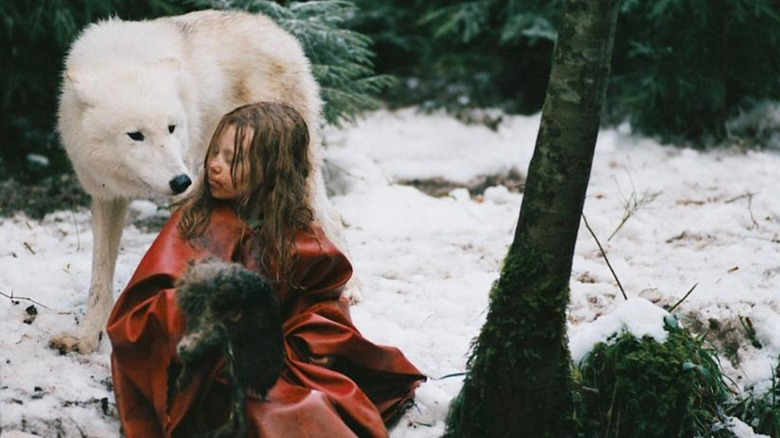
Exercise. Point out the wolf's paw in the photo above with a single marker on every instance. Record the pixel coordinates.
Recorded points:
(68, 343)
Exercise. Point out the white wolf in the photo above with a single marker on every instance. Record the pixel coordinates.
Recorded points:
(139, 102)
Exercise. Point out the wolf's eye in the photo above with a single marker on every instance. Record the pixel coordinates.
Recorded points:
(136, 135)
(171, 128)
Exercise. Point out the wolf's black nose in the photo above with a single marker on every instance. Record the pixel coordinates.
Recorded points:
(179, 183)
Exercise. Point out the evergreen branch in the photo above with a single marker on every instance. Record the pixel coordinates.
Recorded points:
(345, 105)
(341, 59)
(342, 95)
(465, 19)
(374, 84)
(329, 74)
(324, 42)
(768, 11)
(308, 28)
(531, 26)
(336, 11)
(273, 10)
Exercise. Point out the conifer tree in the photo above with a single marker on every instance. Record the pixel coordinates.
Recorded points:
(683, 68)
(463, 54)
(518, 382)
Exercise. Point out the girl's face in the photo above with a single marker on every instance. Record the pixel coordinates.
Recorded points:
(220, 181)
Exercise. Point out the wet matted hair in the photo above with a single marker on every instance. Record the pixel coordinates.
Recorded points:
(278, 199)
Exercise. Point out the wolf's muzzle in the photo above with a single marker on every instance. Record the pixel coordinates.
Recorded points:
(179, 183)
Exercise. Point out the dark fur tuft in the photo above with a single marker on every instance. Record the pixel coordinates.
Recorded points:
(231, 309)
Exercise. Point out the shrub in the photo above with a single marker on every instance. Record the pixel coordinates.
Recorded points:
(650, 389)
(760, 410)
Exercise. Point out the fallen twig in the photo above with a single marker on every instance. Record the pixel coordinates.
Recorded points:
(12, 298)
(683, 298)
(750, 210)
(29, 248)
(749, 196)
(604, 254)
(736, 198)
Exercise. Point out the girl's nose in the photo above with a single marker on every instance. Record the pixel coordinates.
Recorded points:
(213, 166)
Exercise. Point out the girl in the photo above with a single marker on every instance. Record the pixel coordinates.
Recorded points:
(252, 207)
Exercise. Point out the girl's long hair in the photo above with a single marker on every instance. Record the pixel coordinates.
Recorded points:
(278, 200)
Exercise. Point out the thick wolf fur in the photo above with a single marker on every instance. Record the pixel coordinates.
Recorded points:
(178, 74)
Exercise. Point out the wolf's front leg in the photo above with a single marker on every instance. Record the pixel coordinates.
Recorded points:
(108, 219)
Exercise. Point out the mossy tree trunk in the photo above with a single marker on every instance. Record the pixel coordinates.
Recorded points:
(518, 382)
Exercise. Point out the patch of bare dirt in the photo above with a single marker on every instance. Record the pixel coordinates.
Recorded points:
(50, 194)
(439, 187)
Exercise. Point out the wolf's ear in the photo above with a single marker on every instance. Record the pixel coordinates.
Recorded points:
(81, 83)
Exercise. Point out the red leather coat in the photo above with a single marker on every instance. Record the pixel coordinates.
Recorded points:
(354, 395)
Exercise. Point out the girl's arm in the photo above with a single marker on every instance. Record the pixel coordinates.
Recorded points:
(320, 272)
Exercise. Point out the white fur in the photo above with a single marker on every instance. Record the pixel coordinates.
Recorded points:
(185, 71)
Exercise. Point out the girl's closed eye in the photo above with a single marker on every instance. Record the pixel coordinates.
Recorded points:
(227, 180)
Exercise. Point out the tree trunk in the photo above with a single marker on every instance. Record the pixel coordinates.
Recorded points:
(519, 382)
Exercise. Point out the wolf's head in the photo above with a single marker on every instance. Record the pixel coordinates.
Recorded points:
(125, 128)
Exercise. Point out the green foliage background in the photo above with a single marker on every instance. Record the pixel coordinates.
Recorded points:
(460, 55)
(681, 68)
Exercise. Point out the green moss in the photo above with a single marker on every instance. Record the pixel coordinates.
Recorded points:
(518, 381)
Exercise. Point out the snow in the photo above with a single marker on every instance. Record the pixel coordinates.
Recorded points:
(426, 264)
(636, 315)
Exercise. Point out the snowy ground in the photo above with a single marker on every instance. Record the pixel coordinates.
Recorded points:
(427, 263)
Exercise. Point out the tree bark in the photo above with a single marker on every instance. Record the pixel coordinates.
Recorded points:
(519, 374)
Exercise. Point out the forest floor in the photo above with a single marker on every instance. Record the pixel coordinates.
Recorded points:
(430, 206)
